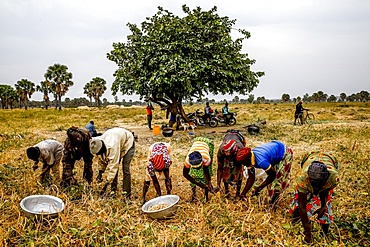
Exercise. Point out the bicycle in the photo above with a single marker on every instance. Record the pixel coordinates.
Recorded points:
(306, 118)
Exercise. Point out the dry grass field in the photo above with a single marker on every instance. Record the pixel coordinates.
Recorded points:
(89, 220)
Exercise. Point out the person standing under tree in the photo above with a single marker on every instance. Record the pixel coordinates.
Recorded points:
(207, 112)
(149, 114)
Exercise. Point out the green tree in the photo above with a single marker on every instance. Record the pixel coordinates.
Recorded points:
(88, 90)
(45, 89)
(285, 97)
(95, 89)
(250, 98)
(60, 80)
(25, 89)
(332, 98)
(7, 96)
(172, 59)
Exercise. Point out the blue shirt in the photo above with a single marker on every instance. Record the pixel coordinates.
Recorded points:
(91, 128)
(268, 154)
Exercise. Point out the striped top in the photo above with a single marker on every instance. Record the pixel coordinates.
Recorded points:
(203, 149)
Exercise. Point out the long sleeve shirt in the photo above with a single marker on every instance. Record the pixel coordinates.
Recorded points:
(117, 142)
(51, 152)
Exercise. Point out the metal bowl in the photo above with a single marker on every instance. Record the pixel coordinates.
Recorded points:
(42, 206)
(164, 213)
(167, 132)
(253, 129)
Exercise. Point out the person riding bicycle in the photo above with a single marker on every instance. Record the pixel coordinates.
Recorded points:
(299, 112)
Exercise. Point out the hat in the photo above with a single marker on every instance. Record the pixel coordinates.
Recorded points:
(157, 162)
(195, 159)
(229, 146)
(318, 171)
(95, 145)
(243, 154)
(33, 153)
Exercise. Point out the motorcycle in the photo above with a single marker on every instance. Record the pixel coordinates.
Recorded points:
(220, 118)
(203, 120)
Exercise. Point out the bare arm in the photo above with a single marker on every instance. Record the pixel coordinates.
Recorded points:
(271, 177)
(186, 174)
(208, 178)
(302, 203)
(249, 183)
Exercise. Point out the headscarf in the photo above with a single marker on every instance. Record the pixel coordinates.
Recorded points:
(229, 146)
(243, 154)
(195, 159)
(318, 174)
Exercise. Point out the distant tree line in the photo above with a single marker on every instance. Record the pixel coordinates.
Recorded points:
(19, 96)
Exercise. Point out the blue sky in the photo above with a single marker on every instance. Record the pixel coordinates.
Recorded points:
(303, 46)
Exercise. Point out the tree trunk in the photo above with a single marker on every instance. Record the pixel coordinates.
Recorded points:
(60, 102)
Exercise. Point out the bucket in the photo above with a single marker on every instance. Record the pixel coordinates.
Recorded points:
(156, 130)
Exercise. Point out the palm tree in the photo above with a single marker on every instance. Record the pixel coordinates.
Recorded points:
(88, 90)
(45, 88)
(343, 96)
(60, 80)
(95, 88)
(5, 93)
(25, 89)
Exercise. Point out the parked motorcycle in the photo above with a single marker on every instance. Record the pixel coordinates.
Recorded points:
(219, 118)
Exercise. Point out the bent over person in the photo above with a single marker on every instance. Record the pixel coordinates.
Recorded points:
(49, 153)
(198, 166)
(314, 191)
(115, 146)
(159, 162)
(273, 157)
(228, 170)
(76, 146)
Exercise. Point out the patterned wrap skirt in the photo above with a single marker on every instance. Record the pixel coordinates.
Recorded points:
(313, 204)
(283, 168)
(198, 174)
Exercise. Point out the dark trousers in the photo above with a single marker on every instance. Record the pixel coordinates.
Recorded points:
(149, 118)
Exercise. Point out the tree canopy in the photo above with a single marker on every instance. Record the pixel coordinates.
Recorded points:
(59, 80)
(171, 58)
